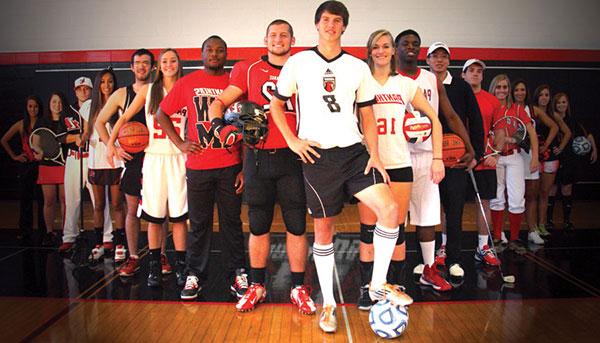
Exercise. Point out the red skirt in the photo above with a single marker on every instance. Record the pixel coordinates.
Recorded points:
(51, 175)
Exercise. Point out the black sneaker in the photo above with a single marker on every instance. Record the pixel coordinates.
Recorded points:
(191, 289)
(568, 226)
(49, 239)
(154, 274)
(364, 300)
(240, 284)
(180, 273)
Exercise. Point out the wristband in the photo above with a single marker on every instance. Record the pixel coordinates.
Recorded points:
(438, 158)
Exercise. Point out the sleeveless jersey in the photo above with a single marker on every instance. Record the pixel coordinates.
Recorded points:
(428, 84)
(391, 100)
(159, 142)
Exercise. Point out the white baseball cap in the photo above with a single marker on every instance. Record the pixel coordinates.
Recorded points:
(83, 81)
(471, 62)
(438, 45)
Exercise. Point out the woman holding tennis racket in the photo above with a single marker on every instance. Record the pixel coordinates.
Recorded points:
(28, 168)
(546, 129)
(512, 128)
(46, 140)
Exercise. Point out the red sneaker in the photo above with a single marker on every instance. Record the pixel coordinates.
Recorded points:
(431, 277)
(66, 246)
(108, 246)
(440, 256)
(300, 296)
(255, 294)
(164, 265)
(487, 256)
(130, 267)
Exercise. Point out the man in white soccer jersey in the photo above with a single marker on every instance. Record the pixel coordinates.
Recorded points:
(425, 197)
(329, 84)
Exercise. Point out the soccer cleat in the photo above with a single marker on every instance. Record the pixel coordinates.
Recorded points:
(97, 253)
(180, 273)
(541, 230)
(456, 270)
(120, 253)
(191, 288)
(327, 321)
(394, 293)
(535, 238)
(65, 247)
(487, 256)
(431, 277)
(440, 256)
(255, 294)
(154, 274)
(165, 266)
(418, 269)
(300, 296)
(130, 267)
(240, 284)
(364, 300)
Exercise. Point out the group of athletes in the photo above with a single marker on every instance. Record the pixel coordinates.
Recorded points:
(335, 135)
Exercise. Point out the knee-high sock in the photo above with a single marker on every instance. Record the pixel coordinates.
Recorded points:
(515, 225)
(384, 242)
(325, 261)
(567, 203)
(497, 222)
(550, 212)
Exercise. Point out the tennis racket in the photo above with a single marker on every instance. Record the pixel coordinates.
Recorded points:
(45, 142)
(506, 134)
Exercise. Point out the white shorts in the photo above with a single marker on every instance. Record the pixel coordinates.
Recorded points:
(527, 160)
(550, 167)
(164, 188)
(425, 195)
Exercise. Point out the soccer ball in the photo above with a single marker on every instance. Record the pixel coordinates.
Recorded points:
(581, 146)
(388, 320)
(416, 127)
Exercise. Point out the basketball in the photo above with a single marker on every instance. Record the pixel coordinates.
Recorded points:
(387, 320)
(416, 127)
(581, 146)
(133, 137)
(453, 148)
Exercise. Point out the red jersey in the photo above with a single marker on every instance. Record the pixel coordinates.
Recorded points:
(193, 94)
(258, 81)
(513, 111)
(489, 107)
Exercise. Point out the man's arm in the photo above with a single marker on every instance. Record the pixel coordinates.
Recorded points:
(225, 99)
(369, 127)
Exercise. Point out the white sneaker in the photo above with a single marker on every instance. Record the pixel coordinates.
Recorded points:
(120, 253)
(418, 269)
(327, 321)
(97, 253)
(534, 237)
(456, 270)
(503, 238)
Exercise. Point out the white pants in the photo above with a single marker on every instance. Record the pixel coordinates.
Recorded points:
(526, 162)
(425, 195)
(73, 201)
(510, 176)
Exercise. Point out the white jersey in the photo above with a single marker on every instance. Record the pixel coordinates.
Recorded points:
(327, 93)
(428, 84)
(159, 142)
(98, 150)
(391, 100)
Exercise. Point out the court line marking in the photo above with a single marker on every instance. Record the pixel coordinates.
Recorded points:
(13, 254)
(344, 313)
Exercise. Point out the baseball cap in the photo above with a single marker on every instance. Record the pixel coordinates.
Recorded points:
(471, 62)
(438, 45)
(83, 81)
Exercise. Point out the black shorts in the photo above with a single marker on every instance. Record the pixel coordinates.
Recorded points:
(104, 177)
(131, 182)
(400, 174)
(335, 177)
(486, 183)
(566, 172)
(272, 176)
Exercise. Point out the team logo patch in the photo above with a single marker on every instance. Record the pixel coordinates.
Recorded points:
(329, 81)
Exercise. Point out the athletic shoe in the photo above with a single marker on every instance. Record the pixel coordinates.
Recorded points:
(108, 246)
(568, 226)
(154, 274)
(97, 253)
(517, 247)
(456, 270)
(191, 288)
(251, 298)
(431, 277)
(180, 273)
(120, 253)
(440, 256)
(49, 239)
(535, 238)
(364, 300)
(65, 247)
(503, 238)
(240, 284)
(300, 296)
(393, 293)
(541, 230)
(418, 269)
(327, 321)
(165, 266)
(487, 256)
(130, 267)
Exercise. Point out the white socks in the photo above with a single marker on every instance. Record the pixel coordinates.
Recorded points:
(444, 237)
(483, 240)
(384, 242)
(325, 261)
(428, 251)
